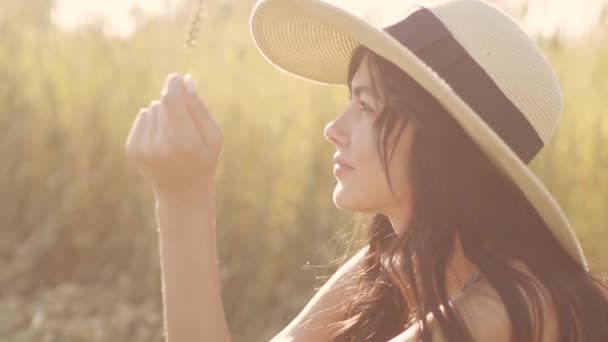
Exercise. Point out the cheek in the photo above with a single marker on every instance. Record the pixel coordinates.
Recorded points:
(366, 189)
(400, 165)
(399, 171)
(360, 190)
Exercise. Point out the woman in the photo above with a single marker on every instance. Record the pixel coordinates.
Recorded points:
(448, 106)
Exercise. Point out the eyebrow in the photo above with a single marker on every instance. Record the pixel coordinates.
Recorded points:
(363, 89)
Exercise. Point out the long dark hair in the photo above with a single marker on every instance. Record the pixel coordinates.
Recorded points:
(458, 192)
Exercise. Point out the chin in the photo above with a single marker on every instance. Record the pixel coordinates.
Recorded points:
(349, 202)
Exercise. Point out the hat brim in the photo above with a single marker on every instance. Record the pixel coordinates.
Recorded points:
(315, 40)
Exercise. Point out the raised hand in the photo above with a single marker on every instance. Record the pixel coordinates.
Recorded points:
(176, 143)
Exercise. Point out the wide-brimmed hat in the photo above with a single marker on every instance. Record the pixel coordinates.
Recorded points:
(471, 56)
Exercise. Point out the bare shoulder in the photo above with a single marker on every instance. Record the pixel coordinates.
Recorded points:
(486, 316)
(314, 322)
(484, 313)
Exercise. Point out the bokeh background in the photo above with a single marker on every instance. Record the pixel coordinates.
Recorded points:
(78, 244)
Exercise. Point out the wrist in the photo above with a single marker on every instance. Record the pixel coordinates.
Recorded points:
(187, 201)
(186, 217)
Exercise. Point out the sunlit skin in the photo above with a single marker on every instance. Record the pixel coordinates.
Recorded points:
(365, 188)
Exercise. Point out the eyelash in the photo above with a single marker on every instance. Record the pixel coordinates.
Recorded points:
(363, 104)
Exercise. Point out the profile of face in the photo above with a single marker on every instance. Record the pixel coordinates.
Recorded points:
(365, 188)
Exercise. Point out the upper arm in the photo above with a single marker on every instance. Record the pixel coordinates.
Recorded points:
(313, 322)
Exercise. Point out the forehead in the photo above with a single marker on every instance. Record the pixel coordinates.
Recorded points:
(362, 80)
(362, 75)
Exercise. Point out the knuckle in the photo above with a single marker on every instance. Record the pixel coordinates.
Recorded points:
(164, 100)
(169, 87)
(174, 85)
(216, 129)
(128, 147)
(154, 106)
(164, 151)
(133, 151)
(171, 76)
(184, 148)
(219, 136)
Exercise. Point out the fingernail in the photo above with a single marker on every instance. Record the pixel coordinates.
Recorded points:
(190, 84)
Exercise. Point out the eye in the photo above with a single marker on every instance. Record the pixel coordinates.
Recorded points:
(364, 105)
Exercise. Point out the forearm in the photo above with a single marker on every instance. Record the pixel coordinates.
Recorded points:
(193, 309)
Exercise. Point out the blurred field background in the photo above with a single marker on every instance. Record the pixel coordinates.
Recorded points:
(78, 245)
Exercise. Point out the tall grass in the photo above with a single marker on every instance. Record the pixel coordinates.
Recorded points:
(78, 242)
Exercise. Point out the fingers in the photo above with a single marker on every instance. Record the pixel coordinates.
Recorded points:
(168, 144)
(200, 113)
(179, 120)
(166, 129)
(138, 134)
(154, 128)
(174, 97)
(189, 93)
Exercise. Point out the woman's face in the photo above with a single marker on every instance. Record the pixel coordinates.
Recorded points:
(364, 188)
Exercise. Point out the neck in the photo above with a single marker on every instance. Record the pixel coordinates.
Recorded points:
(459, 268)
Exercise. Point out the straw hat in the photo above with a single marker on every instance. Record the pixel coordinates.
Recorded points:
(471, 56)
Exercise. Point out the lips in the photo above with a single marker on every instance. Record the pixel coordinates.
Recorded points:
(341, 166)
(341, 162)
(340, 169)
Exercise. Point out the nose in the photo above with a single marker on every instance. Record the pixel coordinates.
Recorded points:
(335, 134)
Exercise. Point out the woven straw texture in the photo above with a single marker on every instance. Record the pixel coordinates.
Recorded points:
(508, 56)
(308, 38)
(311, 42)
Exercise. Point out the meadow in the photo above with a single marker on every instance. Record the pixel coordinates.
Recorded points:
(78, 240)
